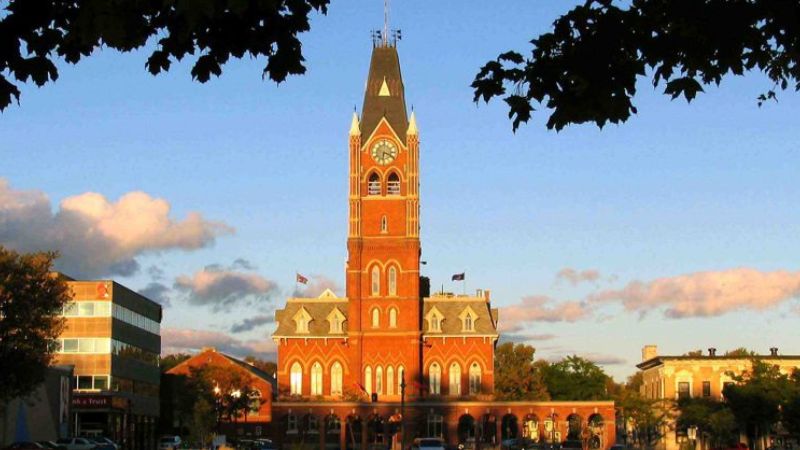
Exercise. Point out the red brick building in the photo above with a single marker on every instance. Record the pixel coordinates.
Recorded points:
(347, 367)
(259, 415)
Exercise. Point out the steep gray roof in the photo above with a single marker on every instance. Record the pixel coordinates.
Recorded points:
(452, 307)
(318, 309)
(385, 65)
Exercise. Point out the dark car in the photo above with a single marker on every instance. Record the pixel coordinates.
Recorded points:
(52, 445)
(572, 445)
(102, 443)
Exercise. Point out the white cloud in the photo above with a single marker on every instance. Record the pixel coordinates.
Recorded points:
(95, 236)
(187, 340)
(707, 294)
(224, 287)
(540, 308)
(575, 277)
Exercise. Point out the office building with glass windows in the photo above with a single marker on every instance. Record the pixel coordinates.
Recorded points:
(112, 338)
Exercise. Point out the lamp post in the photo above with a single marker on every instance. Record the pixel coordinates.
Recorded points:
(402, 410)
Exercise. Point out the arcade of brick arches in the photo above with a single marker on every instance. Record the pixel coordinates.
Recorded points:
(391, 361)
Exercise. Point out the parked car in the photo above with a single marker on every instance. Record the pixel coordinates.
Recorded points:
(618, 447)
(104, 443)
(76, 443)
(169, 442)
(572, 444)
(428, 444)
(24, 445)
(52, 445)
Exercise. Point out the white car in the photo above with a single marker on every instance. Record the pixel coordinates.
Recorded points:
(169, 442)
(76, 443)
(428, 444)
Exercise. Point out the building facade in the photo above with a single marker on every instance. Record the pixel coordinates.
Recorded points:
(253, 423)
(389, 355)
(672, 377)
(112, 338)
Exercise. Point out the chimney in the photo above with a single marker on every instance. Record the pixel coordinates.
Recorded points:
(712, 352)
(487, 294)
(649, 352)
(773, 351)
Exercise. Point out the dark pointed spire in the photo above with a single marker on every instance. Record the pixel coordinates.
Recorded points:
(385, 95)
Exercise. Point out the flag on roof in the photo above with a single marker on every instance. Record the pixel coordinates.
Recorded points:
(458, 276)
(301, 279)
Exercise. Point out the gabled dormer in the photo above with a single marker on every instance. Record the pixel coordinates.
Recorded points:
(434, 318)
(336, 320)
(468, 318)
(302, 319)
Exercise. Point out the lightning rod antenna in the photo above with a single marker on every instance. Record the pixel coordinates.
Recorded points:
(385, 23)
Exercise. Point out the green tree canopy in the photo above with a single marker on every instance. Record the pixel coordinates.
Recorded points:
(587, 68)
(516, 376)
(31, 300)
(576, 378)
(757, 398)
(33, 33)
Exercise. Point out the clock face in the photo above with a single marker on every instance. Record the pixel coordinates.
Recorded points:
(384, 152)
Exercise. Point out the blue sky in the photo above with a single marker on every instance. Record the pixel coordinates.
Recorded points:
(677, 191)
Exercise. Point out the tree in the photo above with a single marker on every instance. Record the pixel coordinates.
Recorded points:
(694, 353)
(32, 298)
(576, 378)
(586, 69)
(516, 376)
(713, 419)
(742, 352)
(202, 422)
(757, 398)
(268, 367)
(34, 32)
(168, 362)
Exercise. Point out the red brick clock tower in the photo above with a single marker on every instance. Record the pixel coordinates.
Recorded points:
(383, 243)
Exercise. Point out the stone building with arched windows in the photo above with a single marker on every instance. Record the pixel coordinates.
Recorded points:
(354, 370)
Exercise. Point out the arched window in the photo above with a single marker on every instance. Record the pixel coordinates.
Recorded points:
(435, 379)
(400, 379)
(296, 379)
(384, 224)
(393, 185)
(374, 184)
(376, 318)
(392, 280)
(390, 380)
(474, 379)
(393, 318)
(379, 380)
(316, 379)
(336, 379)
(376, 280)
(468, 323)
(455, 379)
(368, 380)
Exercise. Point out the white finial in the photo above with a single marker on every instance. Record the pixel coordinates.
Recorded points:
(412, 124)
(354, 127)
